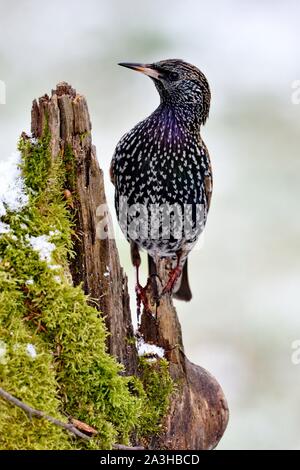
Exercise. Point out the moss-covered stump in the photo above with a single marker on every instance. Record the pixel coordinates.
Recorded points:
(53, 352)
(67, 346)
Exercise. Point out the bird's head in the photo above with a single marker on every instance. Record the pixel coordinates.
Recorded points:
(180, 84)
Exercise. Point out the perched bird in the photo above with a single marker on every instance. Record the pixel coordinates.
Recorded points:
(162, 173)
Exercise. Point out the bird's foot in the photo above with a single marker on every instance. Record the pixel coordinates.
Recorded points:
(173, 278)
(141, 298)
(148, 296)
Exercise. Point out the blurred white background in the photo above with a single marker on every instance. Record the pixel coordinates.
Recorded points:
(244, 315)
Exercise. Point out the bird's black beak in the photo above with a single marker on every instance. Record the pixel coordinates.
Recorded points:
(147, 69)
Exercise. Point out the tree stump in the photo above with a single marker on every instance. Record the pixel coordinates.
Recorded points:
(198, 412)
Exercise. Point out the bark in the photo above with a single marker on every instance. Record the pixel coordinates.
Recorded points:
(198, 412)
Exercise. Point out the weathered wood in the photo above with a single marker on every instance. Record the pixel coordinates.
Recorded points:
(198, 413)
(96, 264)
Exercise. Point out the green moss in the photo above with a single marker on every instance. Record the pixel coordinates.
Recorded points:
(36, 163)
(69, 168)
(158, 387)
(72, 374)
(30, 379)
(83, 135)
(131, 340)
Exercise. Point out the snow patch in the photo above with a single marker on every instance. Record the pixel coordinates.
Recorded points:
(31, 351)
(54, 233)
(3, 350)
(54, 266)
(42, 245)
(146, 349)
(12, 192)
(107, 272)
(4, 228)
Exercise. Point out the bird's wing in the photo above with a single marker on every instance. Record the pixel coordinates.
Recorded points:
(208, 185)
(116, 156)
(112, 170)
(207, 175)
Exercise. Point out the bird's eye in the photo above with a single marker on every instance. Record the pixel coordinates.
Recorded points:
(173, 76)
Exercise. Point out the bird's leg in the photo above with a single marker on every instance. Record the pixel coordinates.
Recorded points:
(153, 282)
(141, 292)
(173, 276)
(141, 295)
(155, 297)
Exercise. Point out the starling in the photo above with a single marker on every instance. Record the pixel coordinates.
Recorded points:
(162, 174)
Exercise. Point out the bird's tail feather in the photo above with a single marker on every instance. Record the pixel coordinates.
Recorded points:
(183, 291)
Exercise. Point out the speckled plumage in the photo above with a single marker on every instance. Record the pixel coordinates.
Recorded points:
(163, 159)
